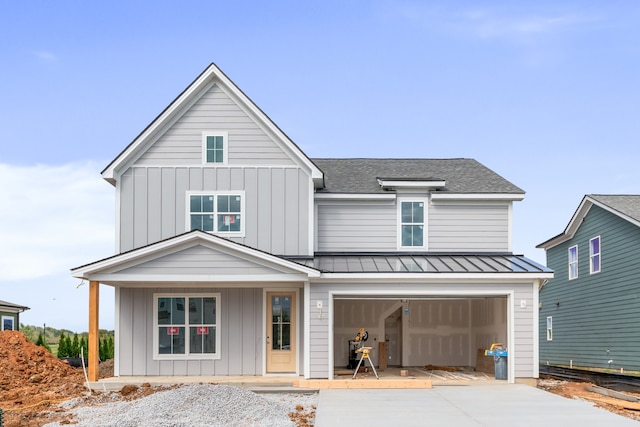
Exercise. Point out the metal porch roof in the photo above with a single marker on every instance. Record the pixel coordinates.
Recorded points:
(421, 263)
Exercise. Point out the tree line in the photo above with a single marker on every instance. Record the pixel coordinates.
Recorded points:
(60, 341)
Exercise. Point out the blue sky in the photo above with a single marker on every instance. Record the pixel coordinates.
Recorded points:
(545, 93)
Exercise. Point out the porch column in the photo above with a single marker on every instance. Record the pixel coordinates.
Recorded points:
(94, 301)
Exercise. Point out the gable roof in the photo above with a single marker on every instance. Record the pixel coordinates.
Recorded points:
(360, 175)
(175, 109)
(14, 308)
(626, 206)
(109, 270)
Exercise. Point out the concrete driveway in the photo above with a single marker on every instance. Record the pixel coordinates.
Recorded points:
(492, 405)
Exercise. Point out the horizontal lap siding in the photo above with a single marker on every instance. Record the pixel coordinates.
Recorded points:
(198, 260)
(240, 329)
(595, 317)
(353, 226)
(467, 226)
(153, 204)
(181, 144)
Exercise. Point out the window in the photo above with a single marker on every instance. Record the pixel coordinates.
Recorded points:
(573, 262)
(549, 328)
(7, 323)
(186, 326)
(214, 146)
(412, 224)
(216, 213)
(594, 255)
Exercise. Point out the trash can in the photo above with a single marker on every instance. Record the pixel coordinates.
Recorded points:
(499, 353)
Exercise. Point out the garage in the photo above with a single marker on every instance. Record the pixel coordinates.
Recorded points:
(419, 330)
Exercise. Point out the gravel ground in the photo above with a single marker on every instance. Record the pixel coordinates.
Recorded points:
(195, 405)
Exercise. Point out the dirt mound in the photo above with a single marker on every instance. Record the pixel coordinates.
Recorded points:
(32, 379)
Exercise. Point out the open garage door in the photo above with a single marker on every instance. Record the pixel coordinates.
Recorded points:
(417, 331)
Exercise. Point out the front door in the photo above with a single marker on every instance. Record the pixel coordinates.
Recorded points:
(281, 332)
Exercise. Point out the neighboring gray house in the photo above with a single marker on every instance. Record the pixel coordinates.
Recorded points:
(590, 310)
(239, 255)
(10, 316)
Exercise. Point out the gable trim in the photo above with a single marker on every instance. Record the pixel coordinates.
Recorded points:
(110, 173)
(577, 218)
(94, 270)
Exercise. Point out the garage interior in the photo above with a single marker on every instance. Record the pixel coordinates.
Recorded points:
(418, 331)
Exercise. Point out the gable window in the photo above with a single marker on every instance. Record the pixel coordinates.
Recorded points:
(215, 147)
(573, 262)
(549, 328)
(594, 255)
(216, 212)
(412, 223)
(186, 326)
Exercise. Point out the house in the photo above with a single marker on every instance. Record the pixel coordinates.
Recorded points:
(10, 316)
(237, 254)
(589, 315)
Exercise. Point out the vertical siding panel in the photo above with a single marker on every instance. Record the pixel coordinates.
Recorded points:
(209, 179)
(195, 179)
(140, 203)
(304, 205)
(126, 211)
(139, 326)
(126, 333)
(168, 200)
(251, 207)
(234, 330)
(223, 178)
(221, 366)
(277, 212)
(264, 209)
(247, 323)
(154, 216)
(180, 212)
(292, 212)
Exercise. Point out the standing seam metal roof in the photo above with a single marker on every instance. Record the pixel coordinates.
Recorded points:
(421, 263)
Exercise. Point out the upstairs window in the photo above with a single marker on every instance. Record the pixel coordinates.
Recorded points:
(573, 262)
(412, 224)
(216, 212)
(594, 255)
(215, 148)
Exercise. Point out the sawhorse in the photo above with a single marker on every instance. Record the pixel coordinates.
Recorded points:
(365, 355)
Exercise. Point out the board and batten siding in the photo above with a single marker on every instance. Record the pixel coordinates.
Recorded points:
(181, 143)
(153, 204)
(469, 226)
(356, 226)
(596, 317)
(241, 339)
(488, 326)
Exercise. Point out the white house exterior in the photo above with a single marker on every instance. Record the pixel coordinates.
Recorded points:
(239, 255)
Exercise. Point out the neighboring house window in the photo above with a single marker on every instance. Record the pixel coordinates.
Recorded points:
(7, 323)
(412, 223)
(187, 326)
(594, 255)
(573, 262)
(549, 328)
(216, 212)
(215, 147)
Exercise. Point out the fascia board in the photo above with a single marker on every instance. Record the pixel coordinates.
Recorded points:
(109, 173)
(572, 227)
(477, 196)
(197, 278)
(354, 196)
(434, 277)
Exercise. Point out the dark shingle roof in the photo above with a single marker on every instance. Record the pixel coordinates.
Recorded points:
(626, 204)
(461, 175)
